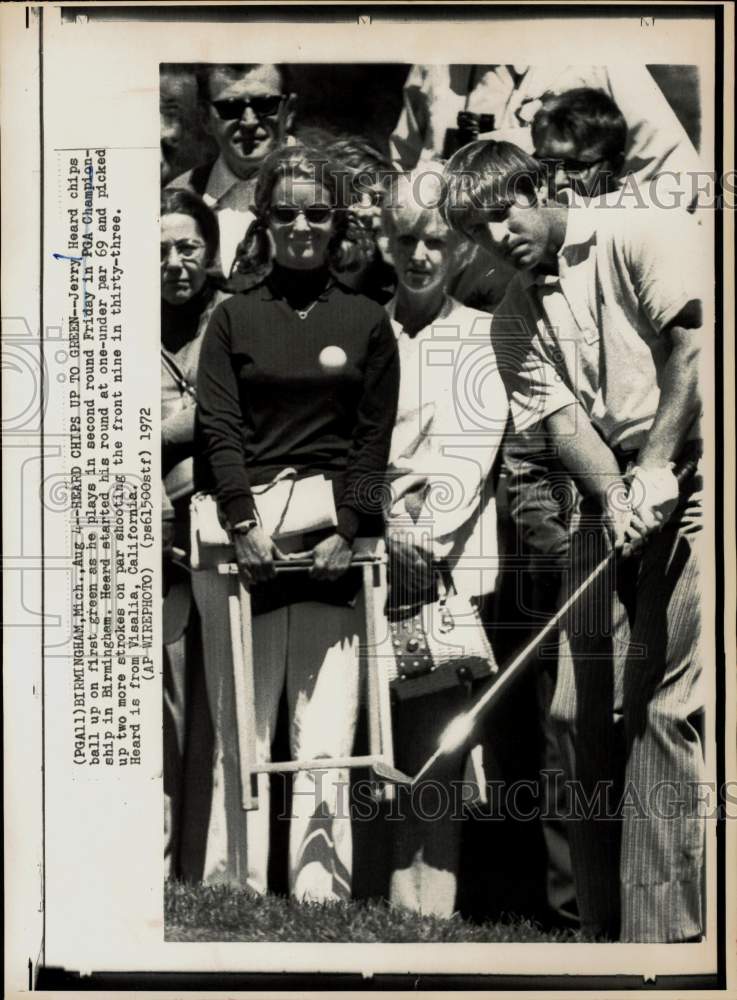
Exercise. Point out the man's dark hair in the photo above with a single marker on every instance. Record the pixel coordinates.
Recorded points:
(586, 117)
(204, 71)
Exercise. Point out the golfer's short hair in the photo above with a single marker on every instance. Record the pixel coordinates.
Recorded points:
(204, 71)
(584, 116)
(486, 174)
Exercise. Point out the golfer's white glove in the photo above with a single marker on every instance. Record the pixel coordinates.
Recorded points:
(653, 494)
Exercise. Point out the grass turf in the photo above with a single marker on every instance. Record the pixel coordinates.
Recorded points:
(223, 913)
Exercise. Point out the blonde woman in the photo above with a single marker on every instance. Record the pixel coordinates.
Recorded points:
(451, 417)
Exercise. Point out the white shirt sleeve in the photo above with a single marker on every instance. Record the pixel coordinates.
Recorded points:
(662, 258)
(536, 383)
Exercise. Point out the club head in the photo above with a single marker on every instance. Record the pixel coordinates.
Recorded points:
(388, 773)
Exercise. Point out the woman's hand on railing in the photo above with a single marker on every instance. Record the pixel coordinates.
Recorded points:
(254, 553)
(330, 558)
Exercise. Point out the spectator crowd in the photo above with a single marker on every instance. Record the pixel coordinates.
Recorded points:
(475, 344)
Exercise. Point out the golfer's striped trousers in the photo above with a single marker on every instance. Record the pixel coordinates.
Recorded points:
(627, 710)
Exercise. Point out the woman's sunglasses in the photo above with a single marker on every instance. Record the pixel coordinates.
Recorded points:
(263, 107)
(314, 214)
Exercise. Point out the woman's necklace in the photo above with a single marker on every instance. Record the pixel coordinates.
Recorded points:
(304, 313)
(294, 287)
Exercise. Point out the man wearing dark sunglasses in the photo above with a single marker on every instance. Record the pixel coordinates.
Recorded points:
(247, 109)
(580, 137)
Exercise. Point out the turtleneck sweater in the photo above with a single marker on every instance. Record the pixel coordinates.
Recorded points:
(318, 394)
(299, 288)
(181, 324)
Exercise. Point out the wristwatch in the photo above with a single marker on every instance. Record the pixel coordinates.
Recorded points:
(243, 527)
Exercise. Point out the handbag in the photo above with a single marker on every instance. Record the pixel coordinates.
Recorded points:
(437, 644)
(288, 509)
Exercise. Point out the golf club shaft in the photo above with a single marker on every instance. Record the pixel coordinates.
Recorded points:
(682, 473)
(516, 665)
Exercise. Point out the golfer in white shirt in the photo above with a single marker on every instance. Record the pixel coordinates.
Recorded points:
(598, 341)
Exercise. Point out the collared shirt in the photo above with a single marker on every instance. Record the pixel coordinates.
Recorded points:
(230, 198)
(451, 418)
(593, 332)
(657, 144)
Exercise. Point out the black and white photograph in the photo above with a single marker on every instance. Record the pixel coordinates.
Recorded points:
(352, 262)
(385, 614)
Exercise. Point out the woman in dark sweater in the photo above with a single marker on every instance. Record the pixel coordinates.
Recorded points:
(297, 373)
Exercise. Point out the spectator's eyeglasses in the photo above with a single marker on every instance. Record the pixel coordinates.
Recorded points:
(186, 249)
(283, 215)
(263, 107)
(570, 166)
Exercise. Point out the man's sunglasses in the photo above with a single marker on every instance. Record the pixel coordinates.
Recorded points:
(263, 107)
(285, 214)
